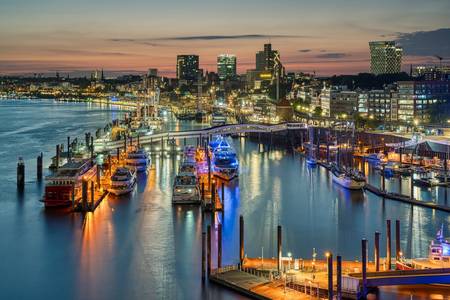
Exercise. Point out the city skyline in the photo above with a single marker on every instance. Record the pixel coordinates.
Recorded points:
(325, 37)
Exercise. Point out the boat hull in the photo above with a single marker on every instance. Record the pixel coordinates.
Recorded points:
(186, 198)
(348, 183)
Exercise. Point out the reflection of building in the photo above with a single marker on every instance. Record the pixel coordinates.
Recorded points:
(226, 66)
(385, 57)
(416, 98)
(187, 67)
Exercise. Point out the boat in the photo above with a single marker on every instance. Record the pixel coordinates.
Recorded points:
(137, 159)
(64, 186)
(225, 162)
(376, 157)
(350, 179)
(426, 182)
(185, 189)
(122, 181)
(311, 162)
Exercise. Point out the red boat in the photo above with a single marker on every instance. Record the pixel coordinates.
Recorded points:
(64, 187)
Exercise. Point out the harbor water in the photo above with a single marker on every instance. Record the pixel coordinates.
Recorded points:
(141, 247)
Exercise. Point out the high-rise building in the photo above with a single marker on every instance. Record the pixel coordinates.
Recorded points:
(268, 60)
(187, 67)
(152, 72)
(226, 66)
(385, 57)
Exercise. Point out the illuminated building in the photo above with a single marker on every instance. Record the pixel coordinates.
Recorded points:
(416, 98)
(385, 57)
(187, 67)
(382, 104)
(226, 66)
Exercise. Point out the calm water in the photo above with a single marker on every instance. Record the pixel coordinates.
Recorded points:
(142, 247)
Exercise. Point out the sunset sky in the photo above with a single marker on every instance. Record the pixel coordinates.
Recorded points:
(326, 36)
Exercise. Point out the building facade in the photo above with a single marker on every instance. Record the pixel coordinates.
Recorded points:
(226, 66)
(187, 67)
(382, 105)
(385, 57)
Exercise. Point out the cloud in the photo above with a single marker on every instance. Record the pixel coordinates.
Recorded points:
(332, 55)
(304, 50)
(88, 53)
(426, 43)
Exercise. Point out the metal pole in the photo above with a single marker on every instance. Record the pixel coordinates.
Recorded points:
(377, 251)
(279, 250)
(241, 240)
(388, 244)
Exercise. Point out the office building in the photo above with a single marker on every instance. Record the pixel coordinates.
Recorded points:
(187, 67)
(269, 60)
(226, 66)
(382, 105)
(385, 57)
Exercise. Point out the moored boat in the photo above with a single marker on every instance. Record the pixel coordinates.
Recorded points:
(185, 189)
(350, 179)
(122, 181)
(137, 159)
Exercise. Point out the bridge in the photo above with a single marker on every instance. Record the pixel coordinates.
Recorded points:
(230, 129)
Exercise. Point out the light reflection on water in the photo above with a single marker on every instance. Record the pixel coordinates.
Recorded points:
(142, 247)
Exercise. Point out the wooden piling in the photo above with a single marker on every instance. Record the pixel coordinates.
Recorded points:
(412, 185)
(330, 275)
(213, 196)
(241, 240)
(339, 277)
(279, 248)
(39, 167)
(92, 195)
(68, 148)
(397, 240)
(364, 267)
(20, 174)
(388, 244)
(208, 250)
(223, 197)
(203, 255)
(92, 147)
(383, 182)
(84, 188)
(377, 251)
(219, 245)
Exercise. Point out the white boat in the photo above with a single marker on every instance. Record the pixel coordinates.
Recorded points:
(185, 189)
(122, 181)
(349, 180)
(138, 160)
(225, 162)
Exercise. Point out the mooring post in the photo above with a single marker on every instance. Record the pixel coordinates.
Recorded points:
(92, 147)
(58, 156)
(203, 192)
(223, 196)
(397, 240)
(84, 188)
(92, 195)
(118, 155)
(364, 267)
(279, 248)
(208, 250)
(377, 251)
(203, 255)
(412, 184)
(68, 148)
(98, 173)
(219, 245)
(388, 244)
(39, 167)
(241, 240)
(383, 181)
(213, 196)
(330, 274)
(339, 277)
(20, 174)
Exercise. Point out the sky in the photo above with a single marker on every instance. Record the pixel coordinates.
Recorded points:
(325, 36)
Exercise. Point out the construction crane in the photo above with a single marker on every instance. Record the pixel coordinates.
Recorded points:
(440, 60)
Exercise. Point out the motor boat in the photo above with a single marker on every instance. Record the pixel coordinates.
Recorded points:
(137, 159)
(123, 181)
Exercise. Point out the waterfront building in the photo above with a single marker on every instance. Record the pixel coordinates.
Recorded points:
(425, 72)
(382, 105)
(284, 110)
(385, 57)
(337, 101)
(363, 105)
(187, 67)
(417, 98)
(226, 66)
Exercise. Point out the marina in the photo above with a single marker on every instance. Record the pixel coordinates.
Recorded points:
(310, 193)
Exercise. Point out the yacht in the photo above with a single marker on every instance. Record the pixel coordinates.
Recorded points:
(350, 179)
(122, 181)
(137, 159)
(225, 162)
(185, 189)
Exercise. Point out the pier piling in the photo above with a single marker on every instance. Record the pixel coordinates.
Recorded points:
(84, 190)
(339, 277)
(377, 251)
(20, 174)
(330, 275)
(383, 180)
(412, 185)
(92, 147)
(397, 240)
(208, 250)
(279, 248)
(223, 197)
(388, 244)
(241, 240)
(203, 255)
(68, 148)
(364, 267)
(92, 195)
(219, 245)
(118, 155)
(39, 167)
